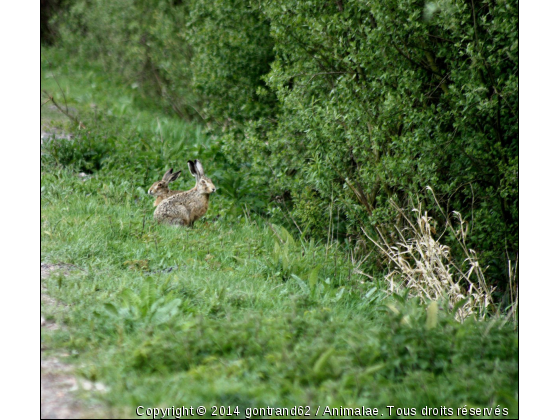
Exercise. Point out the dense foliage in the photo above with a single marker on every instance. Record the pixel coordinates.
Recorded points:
(335, 109)
(237, 311)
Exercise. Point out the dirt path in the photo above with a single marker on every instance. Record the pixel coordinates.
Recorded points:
(58, 384)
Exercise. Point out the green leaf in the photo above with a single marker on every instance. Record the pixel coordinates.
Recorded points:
(312, 278)
(111, 309)
(432, 318)
(321, 363)
(304, 287)
(459, 305)
(372, 369)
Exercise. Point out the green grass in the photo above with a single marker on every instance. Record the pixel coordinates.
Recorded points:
(233, 312)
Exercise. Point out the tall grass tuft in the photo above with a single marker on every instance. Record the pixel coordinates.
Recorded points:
(513, 291)
(425, 266)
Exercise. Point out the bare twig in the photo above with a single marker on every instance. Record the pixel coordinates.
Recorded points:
(275, 233)
(65, 112)
(289, 214)
(61, 91)
(439, 84)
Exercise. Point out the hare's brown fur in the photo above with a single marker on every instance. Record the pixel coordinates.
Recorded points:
(187, 207)
(160, 189)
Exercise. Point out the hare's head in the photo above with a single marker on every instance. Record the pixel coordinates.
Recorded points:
(162, 187)
(203, 184)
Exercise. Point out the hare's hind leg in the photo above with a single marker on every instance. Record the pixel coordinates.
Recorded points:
(177, 222)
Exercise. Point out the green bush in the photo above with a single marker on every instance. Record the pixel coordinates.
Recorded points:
(142, 41)
(85, 152)
(50, 9)
(332, 109)
(233, 50)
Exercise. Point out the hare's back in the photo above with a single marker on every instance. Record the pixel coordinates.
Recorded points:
(176, 202)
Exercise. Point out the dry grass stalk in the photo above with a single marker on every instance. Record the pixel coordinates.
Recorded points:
(513, 291)
(426, 267)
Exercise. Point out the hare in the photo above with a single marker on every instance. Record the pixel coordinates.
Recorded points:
(185, 208)
(160, 189)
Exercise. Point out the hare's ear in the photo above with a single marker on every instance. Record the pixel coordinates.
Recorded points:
(167, 176)
(174, 176)
(192, 168)
(199, 168)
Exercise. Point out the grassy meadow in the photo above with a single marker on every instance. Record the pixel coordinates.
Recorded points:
(241, 310)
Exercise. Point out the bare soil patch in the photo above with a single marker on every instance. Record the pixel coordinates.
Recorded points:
(58, 384)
